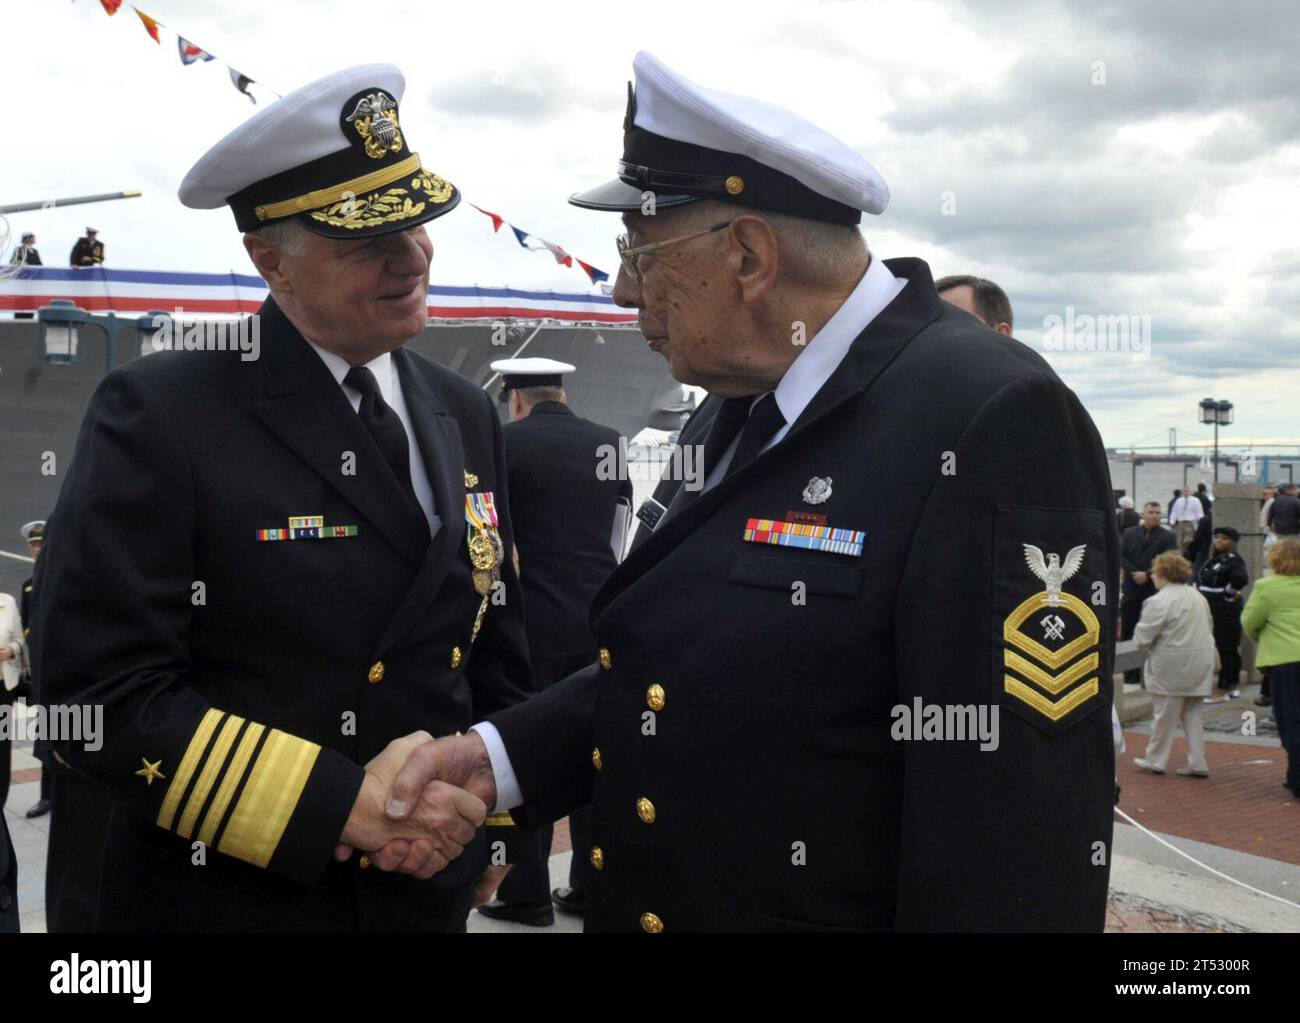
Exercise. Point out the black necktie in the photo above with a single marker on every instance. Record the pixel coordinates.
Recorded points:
(383, 425)
(764, 420)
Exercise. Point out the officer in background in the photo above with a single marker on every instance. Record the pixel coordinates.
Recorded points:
(571, 506)
(1221, 580)
(34, 534)
(750, 736)
(88, 251)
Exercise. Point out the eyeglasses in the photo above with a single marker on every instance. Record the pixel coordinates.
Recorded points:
(630, 256)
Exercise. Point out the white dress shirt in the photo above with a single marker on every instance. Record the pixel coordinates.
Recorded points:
(1186, 509)
(805, 377)
(390, 386)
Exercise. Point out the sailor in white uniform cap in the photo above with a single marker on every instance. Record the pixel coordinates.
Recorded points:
(530, 372)
(344, 502)
(875, 465)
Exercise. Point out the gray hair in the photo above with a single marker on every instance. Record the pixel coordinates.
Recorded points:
(1126, 502)
(284, 235)
(812, 250)
(543, 392)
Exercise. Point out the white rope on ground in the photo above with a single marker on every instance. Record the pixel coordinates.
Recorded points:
(1220, 873)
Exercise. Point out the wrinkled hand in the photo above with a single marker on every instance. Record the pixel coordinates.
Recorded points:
(440, 820)
(460, 760)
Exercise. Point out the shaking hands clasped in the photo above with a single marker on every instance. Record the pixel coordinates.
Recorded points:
(420, 804)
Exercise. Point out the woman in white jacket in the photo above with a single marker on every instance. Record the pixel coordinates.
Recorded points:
(1176, 627)
(13, 655)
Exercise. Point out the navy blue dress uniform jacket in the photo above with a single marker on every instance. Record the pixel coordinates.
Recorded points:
(244, 681)
(564, 491)
(743, 751)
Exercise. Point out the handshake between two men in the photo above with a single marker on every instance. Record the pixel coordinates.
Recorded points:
(420, 804)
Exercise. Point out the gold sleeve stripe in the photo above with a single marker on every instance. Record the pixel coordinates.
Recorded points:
(269, 798)
(500, 819)
(193, 755)
(229, 782)
(212, 766)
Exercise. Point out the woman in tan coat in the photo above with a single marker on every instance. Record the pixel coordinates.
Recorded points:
(1176, 627)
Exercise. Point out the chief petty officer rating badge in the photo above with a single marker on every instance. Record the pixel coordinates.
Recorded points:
(1051, 655)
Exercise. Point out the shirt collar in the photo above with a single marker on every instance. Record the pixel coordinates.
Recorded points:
(826, 350)
(381, 367)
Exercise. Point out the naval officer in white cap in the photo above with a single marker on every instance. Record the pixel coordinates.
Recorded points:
(270, 572)
(860, 680)
(570, 502)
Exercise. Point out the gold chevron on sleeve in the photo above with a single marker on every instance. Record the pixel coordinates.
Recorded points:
(269, 798)
(1052, 658)
(189, 763)
(1053, 711)
(1054, 684)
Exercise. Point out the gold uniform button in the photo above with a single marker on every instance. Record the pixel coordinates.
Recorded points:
(455, 657)
(364, 862)
(645, 810)
(651, 924)
(595, 758)
(605, 661)
(654, 696)
(734, 184)
(597, 858)
(376, 672)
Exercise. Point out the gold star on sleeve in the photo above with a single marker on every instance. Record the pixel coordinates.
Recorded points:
(150, 771)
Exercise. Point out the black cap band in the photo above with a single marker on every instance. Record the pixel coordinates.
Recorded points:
(654, 163)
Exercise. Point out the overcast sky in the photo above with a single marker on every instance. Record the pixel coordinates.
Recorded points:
(1116, 159)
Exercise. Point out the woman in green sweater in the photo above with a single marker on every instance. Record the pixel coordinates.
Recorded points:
(1272, 619)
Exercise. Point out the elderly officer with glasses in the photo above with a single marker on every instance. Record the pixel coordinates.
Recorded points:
(806, 714)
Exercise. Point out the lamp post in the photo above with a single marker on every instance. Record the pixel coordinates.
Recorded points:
(1218, 413)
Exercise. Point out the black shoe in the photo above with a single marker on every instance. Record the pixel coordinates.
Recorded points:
(519, 913)
(41, 808)
(570, 900)
(1263, 701)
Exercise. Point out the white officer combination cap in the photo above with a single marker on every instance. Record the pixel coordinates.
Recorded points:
(532, 372)
(34, 530)
(333, 155)
(682, 142)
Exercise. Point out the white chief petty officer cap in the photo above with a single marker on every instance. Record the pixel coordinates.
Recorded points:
(682, 142)
(332, 155)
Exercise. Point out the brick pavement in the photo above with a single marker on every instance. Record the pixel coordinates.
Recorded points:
(1242, 805)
